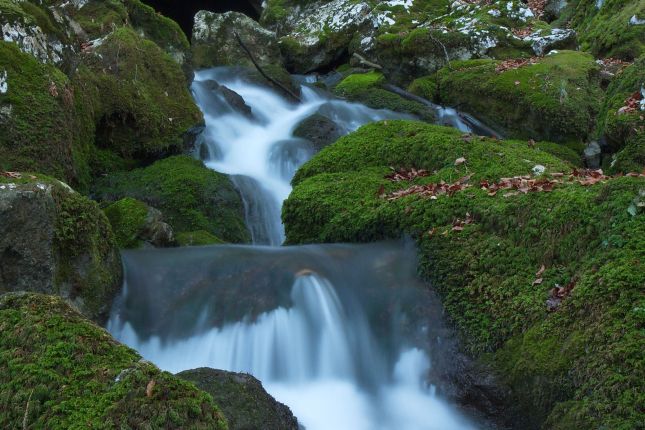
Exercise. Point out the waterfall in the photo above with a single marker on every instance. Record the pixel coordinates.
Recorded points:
(261, 146)
(339, 333)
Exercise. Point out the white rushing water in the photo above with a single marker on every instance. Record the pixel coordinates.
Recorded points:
(318, 354)
(260, 149)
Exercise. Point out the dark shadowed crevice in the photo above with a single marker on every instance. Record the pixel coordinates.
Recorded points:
(184, 11)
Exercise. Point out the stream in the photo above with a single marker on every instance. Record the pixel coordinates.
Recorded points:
(346, 335)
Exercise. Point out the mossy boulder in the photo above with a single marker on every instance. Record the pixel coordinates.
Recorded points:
(142, 103)
(55, 241)
(136, 224)
(32, 27)
(556, 98)
(624, 129)
(44, 121)
(59, 370)
(610, 28)
(367, 88)
(243, 400)
(165, 32)
(315, 34)
(190, 196)
(215, 42)
(573, 365)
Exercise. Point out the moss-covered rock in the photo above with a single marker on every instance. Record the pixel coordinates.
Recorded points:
(136, 224)
(197, 238)
(190, 196)
(367, 88)
(58, 370)
(609, 28)
(44, 122)
(33, 29)
(620, 127)
(55, 241)
(142, 106)
(576, 366)
(165, 32)
(555, 98)
(243, 400)
(215, 43)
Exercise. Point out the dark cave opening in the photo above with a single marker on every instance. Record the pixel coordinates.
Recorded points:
(184, 11)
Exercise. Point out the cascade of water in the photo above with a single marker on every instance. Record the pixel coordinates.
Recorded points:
(339, 342)
(261, 146)
(307, 321)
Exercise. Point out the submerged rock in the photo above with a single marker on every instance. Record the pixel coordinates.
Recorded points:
(55, 241)
(59, 370)
(233, 100)
(243, 400)
(319, 130)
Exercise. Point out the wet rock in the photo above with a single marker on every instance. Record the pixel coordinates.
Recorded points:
(243, 400)
(593, 155)
(214, 42)
(319, 130)
(233, 100)
(55, 241)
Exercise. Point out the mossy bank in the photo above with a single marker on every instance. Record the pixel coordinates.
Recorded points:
(60, 371)
(574, 363)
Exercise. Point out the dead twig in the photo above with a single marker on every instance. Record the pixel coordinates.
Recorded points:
(259, 69)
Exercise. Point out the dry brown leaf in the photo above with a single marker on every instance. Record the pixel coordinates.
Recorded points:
(150, 387)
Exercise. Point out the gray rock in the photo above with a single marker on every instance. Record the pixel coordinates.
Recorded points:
(243, 400)
(556, 38)
(214, 42)
(593, 155)
(156, 232)
(319, 130)
(55, 241)
(232, 99)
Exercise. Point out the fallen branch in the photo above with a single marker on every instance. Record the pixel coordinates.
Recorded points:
(259, 69)
(366, 62)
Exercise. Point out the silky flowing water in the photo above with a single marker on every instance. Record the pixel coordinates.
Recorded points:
(345, 335)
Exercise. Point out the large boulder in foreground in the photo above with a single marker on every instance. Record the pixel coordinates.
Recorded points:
(193, 199)
(60, 371)
(56, 241)
(243, 400)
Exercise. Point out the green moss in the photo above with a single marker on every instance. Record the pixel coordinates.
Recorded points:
(42, 120)
(197, 238)
(619, 127)
(98, 18)
(191, 196)
(58, 370)
(89, 267)
(606, 31)
(366, 88)
(127, 217)
(555, 99)
(425, 87)
(165, 32)
(563, 152)
(577, 367)
(144, 105)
